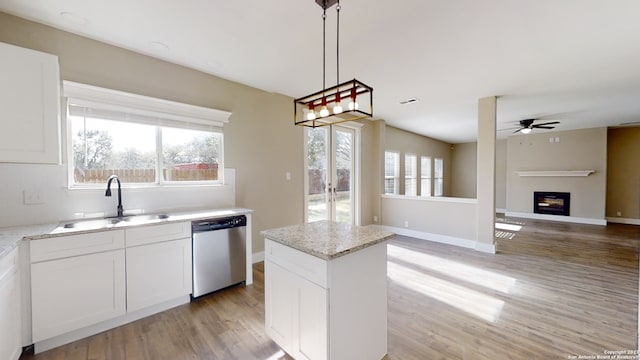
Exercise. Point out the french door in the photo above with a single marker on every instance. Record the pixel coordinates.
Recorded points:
(330, 176)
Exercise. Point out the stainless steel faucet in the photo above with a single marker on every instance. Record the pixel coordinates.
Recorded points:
(108, 193)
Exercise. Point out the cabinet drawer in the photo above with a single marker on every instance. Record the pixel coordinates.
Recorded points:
(73, 245)
(306, 266)
(157, 233)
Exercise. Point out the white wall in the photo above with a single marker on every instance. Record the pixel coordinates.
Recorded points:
(61, 203)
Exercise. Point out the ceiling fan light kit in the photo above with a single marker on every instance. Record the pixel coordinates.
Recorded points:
(326, 107)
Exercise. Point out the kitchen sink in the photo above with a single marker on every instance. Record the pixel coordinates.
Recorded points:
(90, 224)
(144, 218)
(111, 222)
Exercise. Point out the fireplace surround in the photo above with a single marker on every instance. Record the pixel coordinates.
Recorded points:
(551, 203)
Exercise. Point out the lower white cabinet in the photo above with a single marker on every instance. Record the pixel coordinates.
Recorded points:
(297, 313)
(71, 293)
(10, 321)
(86, 283)
(327, 309)
(157, 273)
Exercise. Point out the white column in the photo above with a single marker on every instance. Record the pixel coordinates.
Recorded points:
(486, 174)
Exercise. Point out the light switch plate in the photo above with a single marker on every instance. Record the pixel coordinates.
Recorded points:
(32, 197)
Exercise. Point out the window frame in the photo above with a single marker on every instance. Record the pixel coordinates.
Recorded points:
(396, 172)
(438, 178)
(426, 191)
(412, 160)
(143, 110)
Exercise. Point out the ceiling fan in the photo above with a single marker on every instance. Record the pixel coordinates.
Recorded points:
(527, 125)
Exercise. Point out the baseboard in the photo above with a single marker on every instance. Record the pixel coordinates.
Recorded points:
(500, 211)
(82, 333)
(569, 219)
(444, 239)
(257, 257)
(619, 220)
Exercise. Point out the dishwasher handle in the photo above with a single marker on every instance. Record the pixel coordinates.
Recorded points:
(218, 224)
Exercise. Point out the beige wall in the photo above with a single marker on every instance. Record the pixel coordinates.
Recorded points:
(463, 174)
(623, 177)
(432, 218)
(576, 150)
(261, 142)
(371, 171)
(501, 174)
(406, 142)
(463, 170)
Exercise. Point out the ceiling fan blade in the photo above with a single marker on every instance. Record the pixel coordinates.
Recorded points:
(548, 123)
(518, 130)
(543, 127)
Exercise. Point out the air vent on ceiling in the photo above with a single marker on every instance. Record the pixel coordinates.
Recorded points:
(409, 101)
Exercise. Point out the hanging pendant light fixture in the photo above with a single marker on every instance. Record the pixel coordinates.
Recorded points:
(325, 107)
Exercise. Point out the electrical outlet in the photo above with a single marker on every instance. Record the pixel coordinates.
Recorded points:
(375, 218)
(619, 213)
(32, 197)
(287, 175)
(406, 224)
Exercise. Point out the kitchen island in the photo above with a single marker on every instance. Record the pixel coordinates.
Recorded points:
(326, 290)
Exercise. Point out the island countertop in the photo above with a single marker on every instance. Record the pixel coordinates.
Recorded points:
(327, 239)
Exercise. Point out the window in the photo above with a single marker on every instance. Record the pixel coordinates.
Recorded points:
(425, 176)
(391, 172)
(103, 147)
(438, 178)
(410, 175)
(144, 141)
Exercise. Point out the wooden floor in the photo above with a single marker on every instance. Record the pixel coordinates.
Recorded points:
(553, 290)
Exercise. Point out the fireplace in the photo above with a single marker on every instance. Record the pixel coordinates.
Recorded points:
(551, 203)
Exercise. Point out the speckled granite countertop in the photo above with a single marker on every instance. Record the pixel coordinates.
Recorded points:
(10, 237)
(326, 239)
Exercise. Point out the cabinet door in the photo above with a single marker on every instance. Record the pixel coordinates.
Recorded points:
(157, 273)
(311, 325)
(10, 325)
(68, 294)
(296, 313)
(30, 103)
(279, 290)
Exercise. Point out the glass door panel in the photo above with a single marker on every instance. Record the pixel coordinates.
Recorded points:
(343, 174)
(330, 169)
(317, 198)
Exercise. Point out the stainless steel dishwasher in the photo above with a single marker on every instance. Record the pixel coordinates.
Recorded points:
(219, 253)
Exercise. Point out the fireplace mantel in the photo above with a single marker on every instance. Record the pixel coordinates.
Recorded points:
(555, 172)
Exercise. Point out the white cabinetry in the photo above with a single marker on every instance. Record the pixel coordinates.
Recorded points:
(158, 264)
(297, 315)
(10, 321)
(335, 309)
(30, 103)
(76, 281)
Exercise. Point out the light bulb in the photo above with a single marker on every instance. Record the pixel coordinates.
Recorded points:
(353, 105)
(525, 130)
(324, 111)
(311, 115)
(337, 109)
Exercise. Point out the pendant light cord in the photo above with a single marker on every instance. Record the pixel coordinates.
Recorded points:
(324, 31)
(338, 44)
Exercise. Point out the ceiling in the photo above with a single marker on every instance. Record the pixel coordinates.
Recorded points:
(574, 61)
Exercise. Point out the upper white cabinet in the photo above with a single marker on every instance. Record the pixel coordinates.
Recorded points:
(30, 106)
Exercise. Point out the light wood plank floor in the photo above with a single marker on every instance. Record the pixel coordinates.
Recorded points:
(553, 290)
